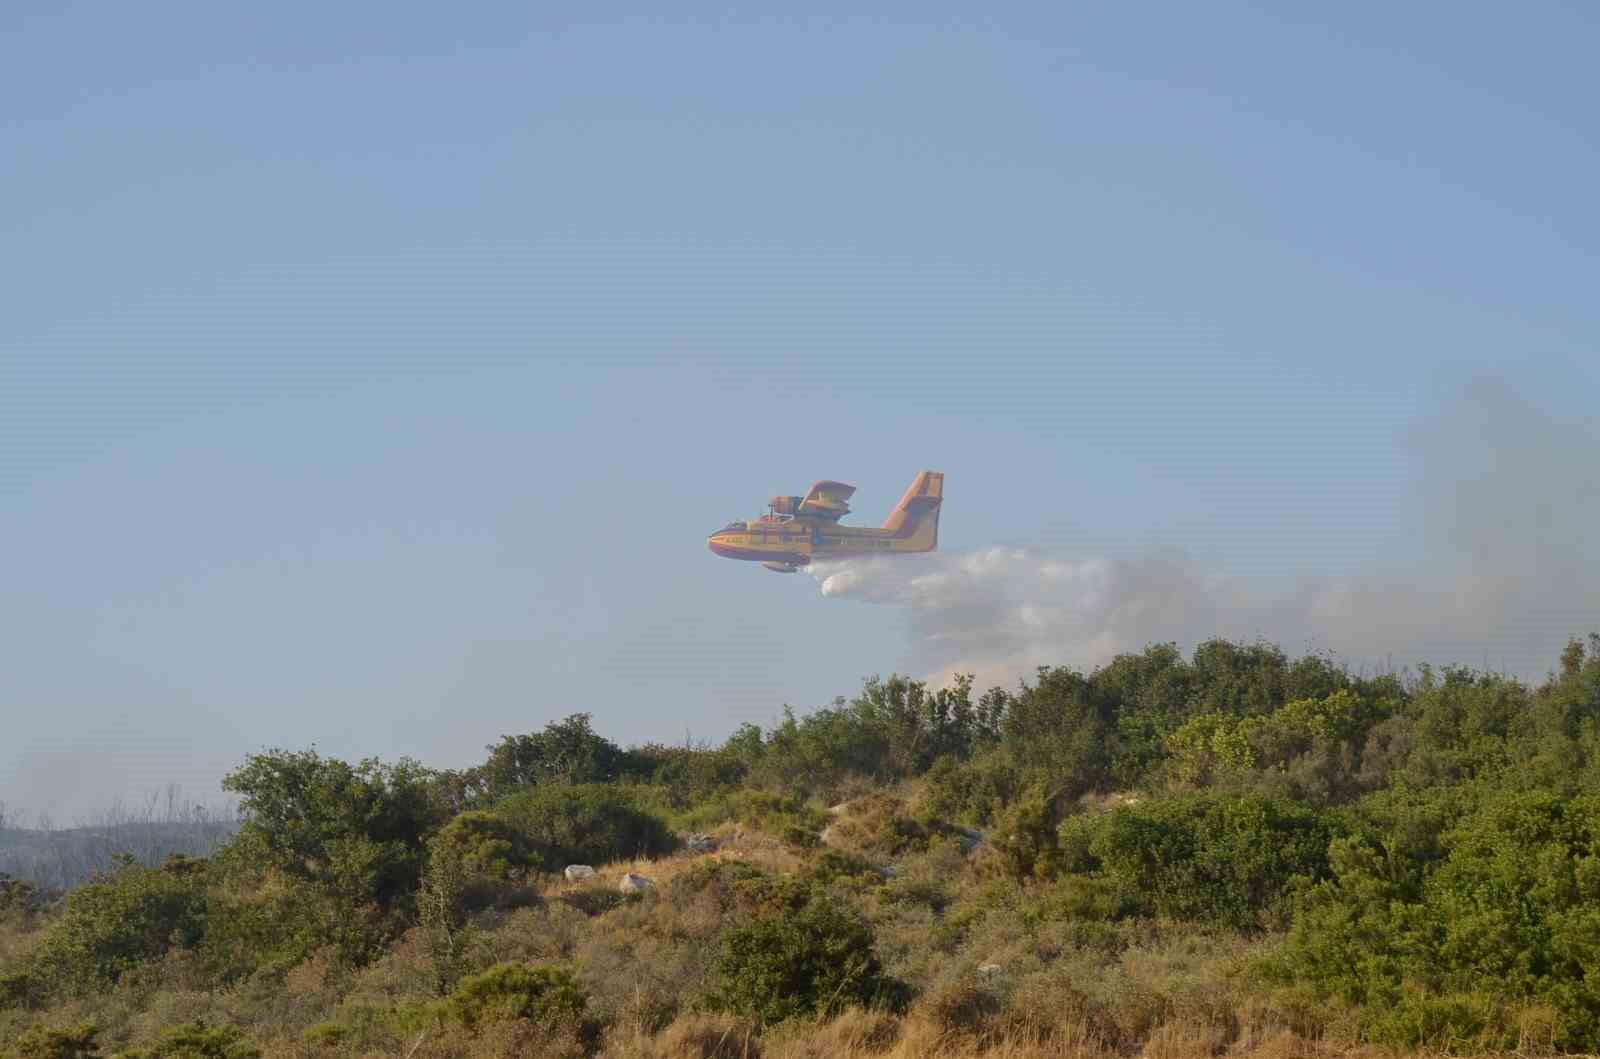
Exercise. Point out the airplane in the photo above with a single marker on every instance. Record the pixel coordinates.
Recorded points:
(795, 530)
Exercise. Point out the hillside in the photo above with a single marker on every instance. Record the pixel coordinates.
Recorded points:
(1233, 852)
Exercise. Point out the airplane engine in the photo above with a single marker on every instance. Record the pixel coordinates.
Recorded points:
(785, 505)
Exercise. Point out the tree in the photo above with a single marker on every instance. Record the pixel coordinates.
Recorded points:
(585, 824)
(440, 907)
(567, 751)
(358, 831)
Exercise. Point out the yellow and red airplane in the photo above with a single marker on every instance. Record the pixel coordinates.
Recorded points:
(796, 529)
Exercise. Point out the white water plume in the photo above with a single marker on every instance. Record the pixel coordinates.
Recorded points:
(1510, 570)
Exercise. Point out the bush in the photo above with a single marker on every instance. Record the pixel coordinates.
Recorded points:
(483, 845)
(544, 996)
(878, 825)
(120, 920)
(1212, 858)
(65, 1042)
(740, 888)
(832, 865)
(585, 824)
(20, 989)
(683, 776)
(1433, 946)
(971, 792)
(19, 899)
(196, 1040)
(270, 927)
(1025, 837)
(814, 959)
(772, 814)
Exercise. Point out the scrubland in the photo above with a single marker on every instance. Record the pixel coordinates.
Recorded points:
(1232, 853)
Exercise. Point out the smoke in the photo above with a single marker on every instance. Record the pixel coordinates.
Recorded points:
(1508, 570)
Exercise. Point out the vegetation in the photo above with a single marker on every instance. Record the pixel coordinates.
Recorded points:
(814, 958)
(1176, 854)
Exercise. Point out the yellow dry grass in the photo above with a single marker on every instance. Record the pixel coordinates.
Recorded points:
(734, 843)
(871, 1035)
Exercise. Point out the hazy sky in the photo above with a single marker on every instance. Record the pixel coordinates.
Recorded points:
(371, 374)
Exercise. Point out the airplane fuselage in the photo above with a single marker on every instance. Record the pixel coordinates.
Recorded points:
(797, 530)
(798, 541)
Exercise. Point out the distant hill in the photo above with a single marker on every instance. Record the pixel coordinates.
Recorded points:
(61, 858)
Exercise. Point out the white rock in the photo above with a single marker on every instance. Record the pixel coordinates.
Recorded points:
(989, 970)
(700, 844)
(888, 871)
(634, 884)
(575, 872)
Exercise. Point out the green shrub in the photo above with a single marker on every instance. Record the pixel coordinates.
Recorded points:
(769, 813)
(585, 824)
(21, 989)
(57, 1042)
(683, 776)
(484, 845)
(544, 996)
(596, 900)
(878, 825)
(1084, 899)
(740, 888)
(19, 899)
(326, 1035)
(1025, 836)
(1457, 1022)
(800, 838)
(1443, 938)
(268, 926)
(971, 792)
(1212, 858)
(122, 919)
(196, 1040)
(931, 895)
(814, 959)
(833, 865)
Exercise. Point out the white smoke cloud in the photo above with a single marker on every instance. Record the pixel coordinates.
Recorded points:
(1510, 569)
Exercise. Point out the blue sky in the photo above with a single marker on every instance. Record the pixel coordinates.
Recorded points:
(370, 375)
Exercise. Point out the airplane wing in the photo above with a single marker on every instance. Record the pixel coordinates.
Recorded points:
(827, 500)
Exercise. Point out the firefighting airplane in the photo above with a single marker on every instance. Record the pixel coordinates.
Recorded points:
(797, 529)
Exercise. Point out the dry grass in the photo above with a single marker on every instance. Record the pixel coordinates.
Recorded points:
(734, 843)
(17, 939)
(922, 1035)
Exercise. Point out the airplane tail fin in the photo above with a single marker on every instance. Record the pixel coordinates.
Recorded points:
(915, 519)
